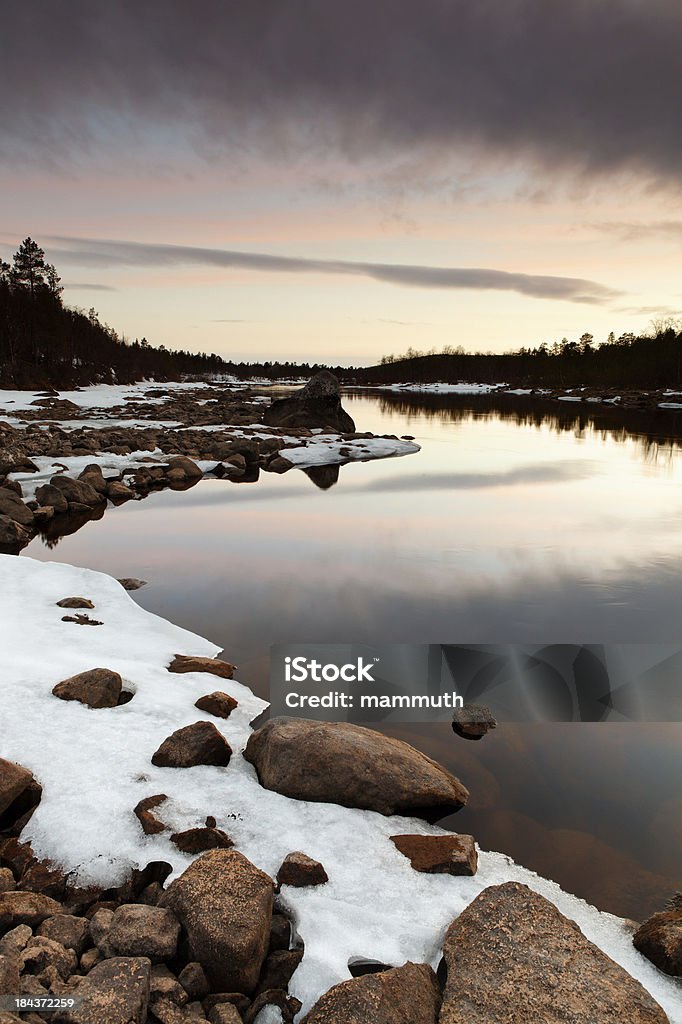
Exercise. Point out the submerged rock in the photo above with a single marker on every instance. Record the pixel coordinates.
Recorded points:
(225, 905)
(403, 995)
(316, 405)
(513, 957)
(352, 766)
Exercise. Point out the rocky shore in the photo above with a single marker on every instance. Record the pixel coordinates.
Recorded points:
(624, 398)
(165, 861)
(63, 462)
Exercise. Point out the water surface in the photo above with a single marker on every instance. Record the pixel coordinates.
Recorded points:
(517, 522)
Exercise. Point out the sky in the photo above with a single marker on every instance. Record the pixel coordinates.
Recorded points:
(336, 180)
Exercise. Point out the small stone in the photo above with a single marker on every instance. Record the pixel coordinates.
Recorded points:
(279, 968)
(164, 985)
(97, 688)
(138, 930)
(219, 704)
(117, 491)
(71, 931)
(130, 583)
(280, 932)
(151, 825)
(7, 883)
(194, 981)
(41, 953)
(199, 743)
(75, 602)
(100, 923)
(15, 940)
(89, 959)
(29, 908)
(82, 620)
(14, 779)
(216, 667)
(196, 840)
(473, 721)
(659, 939)
(10, 982)
(299, 870)
(451, 855)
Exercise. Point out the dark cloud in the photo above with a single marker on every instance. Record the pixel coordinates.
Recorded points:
(103, 253)
(592, 84)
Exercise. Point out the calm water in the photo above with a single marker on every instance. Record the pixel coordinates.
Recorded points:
(517, 522)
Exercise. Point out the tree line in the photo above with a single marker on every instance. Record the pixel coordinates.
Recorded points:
(651, 361)
(44, 343)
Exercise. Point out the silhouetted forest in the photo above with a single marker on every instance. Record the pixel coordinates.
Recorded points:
(44, 343)
(630, 361)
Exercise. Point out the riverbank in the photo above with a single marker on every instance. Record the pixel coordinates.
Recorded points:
(628, 398)
(65, 456)
(96, 764)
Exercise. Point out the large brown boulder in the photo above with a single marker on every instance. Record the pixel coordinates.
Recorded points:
(199, 743)
(337, 762)
(318, 404)
(115, 991)
(13, 536)
(513, 957)
(97, 688)
(660, 940)
(225, 905)
(403, 995)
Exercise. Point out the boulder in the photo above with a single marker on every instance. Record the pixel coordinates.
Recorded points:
(92, 475)
(29, 908)
(13, 537)
(197, 840)
(117, 492)
(76, 492)
(185, 466)
(403, 995)
(337, 762)
(116, 991)
(512, 956)
(10, 983)
(473, 721)
(199, 743)
(659, 939)
(14, 779)
(187, 663)
(151, 825)
(318, 404)
(138, 930)
(97, 688)
(299, 870)
(445, 855)
(225, 905)
(13, 507)
(15, 940)
(52, 497)
(219, 704)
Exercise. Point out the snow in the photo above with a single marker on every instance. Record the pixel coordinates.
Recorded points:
(570, 398)
(101, 396)
(670, 405)
(95, 765)
(442, 389)
(329, 448)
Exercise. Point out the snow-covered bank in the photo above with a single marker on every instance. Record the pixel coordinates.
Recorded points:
(95, 765)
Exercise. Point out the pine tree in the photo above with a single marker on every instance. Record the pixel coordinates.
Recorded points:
(28, 270)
